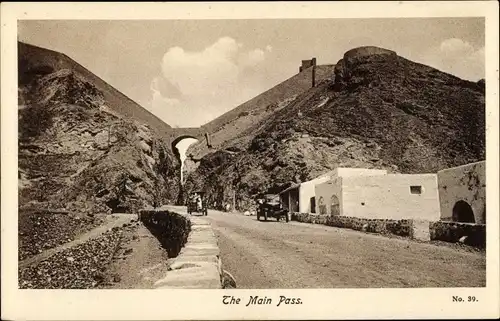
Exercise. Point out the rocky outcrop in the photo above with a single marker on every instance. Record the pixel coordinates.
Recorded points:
(78, 155)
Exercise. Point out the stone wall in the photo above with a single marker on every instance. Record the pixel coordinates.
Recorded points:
(468, 233)
(307, 64)
(453, 232)
(368, 53)
(381, 226)
(196, 263)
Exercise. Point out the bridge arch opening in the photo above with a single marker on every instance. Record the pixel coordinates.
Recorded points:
(180, 146)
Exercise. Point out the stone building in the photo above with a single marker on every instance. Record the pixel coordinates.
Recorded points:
(301, 197)
(369, 193)
(462, 193)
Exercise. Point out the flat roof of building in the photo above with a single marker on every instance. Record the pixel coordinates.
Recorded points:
(462, 166)
(294, 186)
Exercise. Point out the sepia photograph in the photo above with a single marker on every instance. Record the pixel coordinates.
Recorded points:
(253, 154)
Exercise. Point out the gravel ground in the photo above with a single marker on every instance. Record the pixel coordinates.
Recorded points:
(41, 231)
(296, 255)
(78, 265)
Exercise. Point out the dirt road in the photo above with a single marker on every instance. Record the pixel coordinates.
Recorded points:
(297, 255)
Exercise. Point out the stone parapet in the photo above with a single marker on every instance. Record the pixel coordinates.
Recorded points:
(197, 264)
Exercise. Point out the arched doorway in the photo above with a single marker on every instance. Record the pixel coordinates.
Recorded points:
(321, 205)
(462, 212)
(334, 205)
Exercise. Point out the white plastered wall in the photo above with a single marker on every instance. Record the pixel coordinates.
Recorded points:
(324, 192)
(390, 197)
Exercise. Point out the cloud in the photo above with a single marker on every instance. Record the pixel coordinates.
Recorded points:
(166, 88)
(459, 58)
(196, 86)
(252, 58)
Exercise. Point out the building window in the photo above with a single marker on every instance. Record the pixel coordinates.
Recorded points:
(416, 189)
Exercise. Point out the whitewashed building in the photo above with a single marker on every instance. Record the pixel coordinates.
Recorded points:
(375, 194)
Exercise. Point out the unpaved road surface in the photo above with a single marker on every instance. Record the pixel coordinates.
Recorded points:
(297, 255)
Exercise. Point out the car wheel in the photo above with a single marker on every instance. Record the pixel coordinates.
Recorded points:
(286, 217)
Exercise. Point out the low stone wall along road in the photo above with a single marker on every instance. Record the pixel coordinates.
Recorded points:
(300, 255)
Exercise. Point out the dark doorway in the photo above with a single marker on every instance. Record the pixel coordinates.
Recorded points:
(462, 212)
(294, 200)
(313, 204)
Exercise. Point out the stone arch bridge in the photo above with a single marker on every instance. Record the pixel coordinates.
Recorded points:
(179, 134)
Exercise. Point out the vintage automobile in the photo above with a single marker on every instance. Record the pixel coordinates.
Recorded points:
(269, 206)
(197, 203)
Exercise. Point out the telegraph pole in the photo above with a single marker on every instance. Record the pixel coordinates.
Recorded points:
(234, 200)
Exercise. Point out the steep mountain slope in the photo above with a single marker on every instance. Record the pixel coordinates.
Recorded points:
(78, 157)
(378, 110)
(233, 127)
(37, 61)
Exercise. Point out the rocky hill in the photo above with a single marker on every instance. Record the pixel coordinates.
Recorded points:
(376, 110)
(84, 150)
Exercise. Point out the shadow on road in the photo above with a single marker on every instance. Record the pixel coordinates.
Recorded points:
(171, 230)
(271, 221)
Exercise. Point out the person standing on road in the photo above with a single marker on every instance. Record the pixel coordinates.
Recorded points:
(198, 202)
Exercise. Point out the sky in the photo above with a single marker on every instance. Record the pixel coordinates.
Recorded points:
(188, 72)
